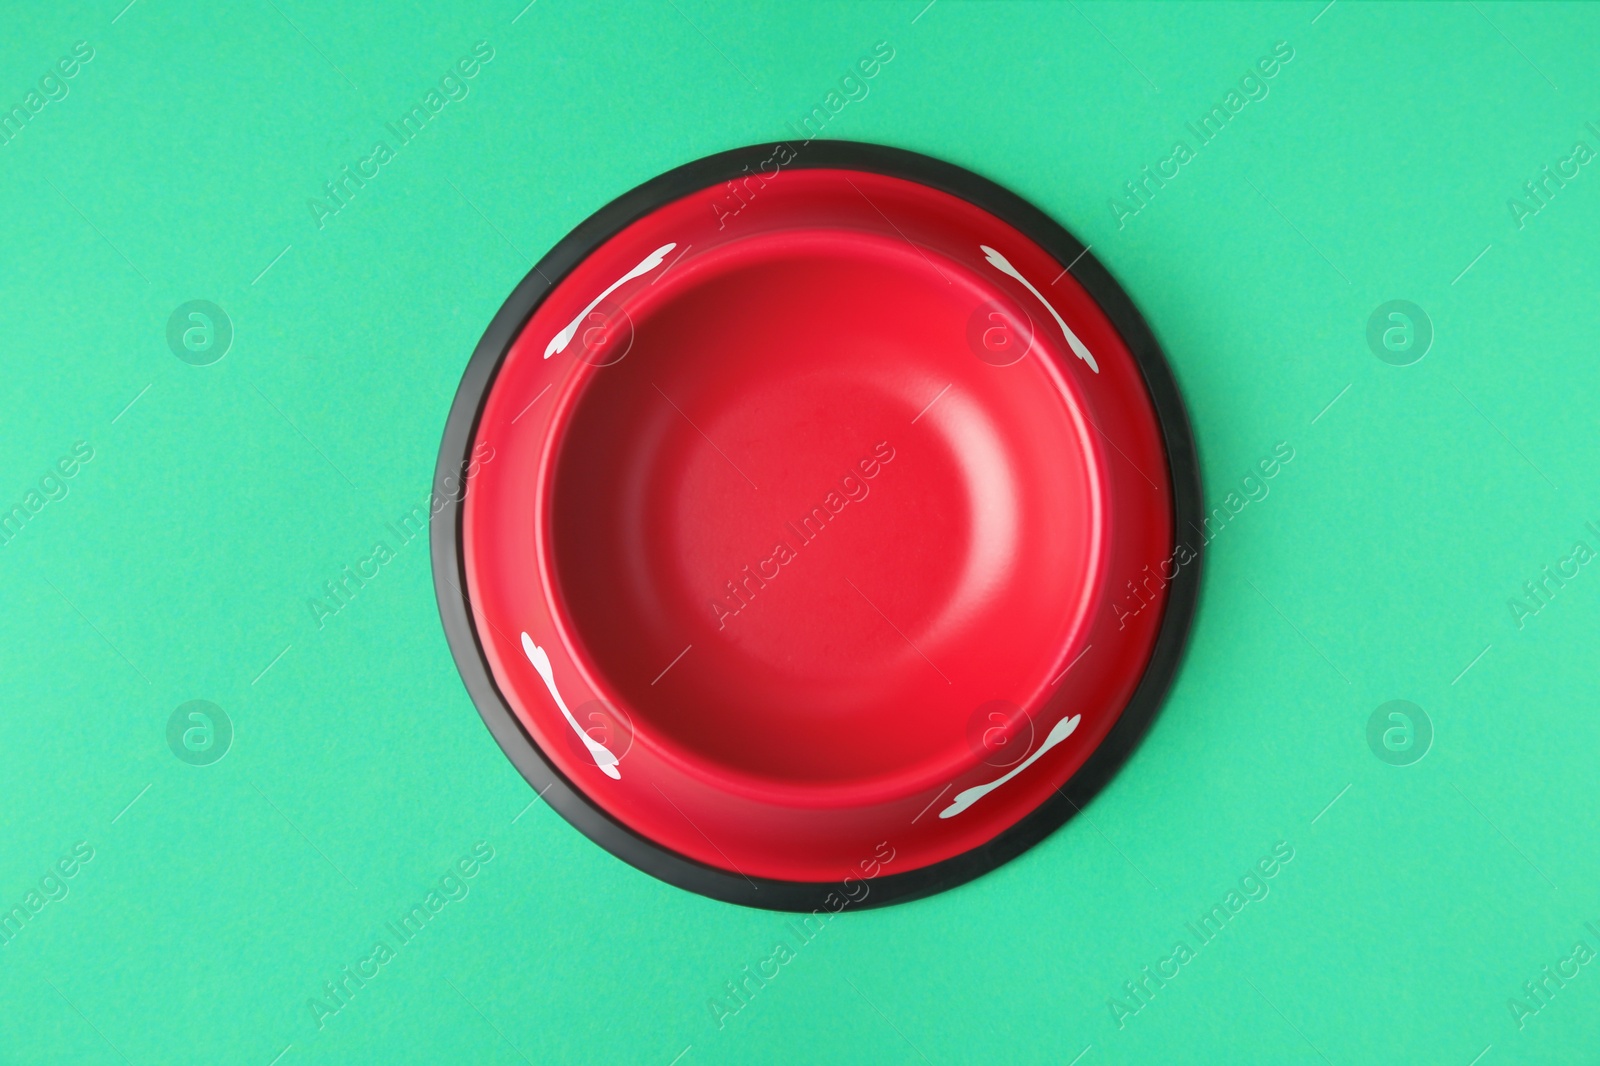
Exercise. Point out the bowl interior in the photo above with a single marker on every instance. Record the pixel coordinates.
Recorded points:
(844, 519)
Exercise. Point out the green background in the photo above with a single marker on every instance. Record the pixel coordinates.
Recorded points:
(180, 563)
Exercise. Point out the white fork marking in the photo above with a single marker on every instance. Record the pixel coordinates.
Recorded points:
(1002, 264)
(601, 754)
(967, 797)
(559, 342)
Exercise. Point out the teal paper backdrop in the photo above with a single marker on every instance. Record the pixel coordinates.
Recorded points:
(1380, 257)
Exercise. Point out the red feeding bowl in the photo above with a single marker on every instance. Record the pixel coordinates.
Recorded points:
(808, 531)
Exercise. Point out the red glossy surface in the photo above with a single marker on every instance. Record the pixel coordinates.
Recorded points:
(810, 518)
